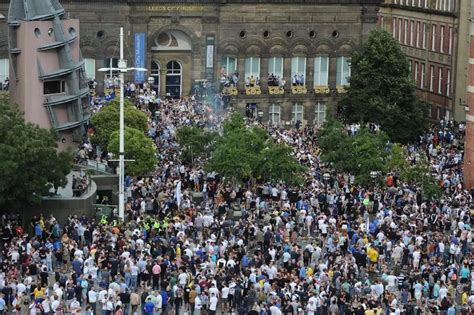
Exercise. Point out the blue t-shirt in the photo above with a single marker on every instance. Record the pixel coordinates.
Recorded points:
(164, 298)
(2, 304)
(149, 307)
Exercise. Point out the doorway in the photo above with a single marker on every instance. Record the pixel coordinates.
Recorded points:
(155, 74)
(173, 79)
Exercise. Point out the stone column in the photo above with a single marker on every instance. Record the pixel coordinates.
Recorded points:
(309, 73)
(469, 144)
(287, 72)
(163, 81)
(241, 70)
(264, 73)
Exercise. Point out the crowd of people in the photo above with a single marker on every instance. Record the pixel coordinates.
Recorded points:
(192, 244)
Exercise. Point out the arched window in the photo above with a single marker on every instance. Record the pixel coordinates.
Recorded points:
(173, 79)
(155, 74)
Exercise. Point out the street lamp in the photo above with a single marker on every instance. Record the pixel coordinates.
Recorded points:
(373, 175)
(326, 177)
(122, 68)
(260, 116)
(151, 80)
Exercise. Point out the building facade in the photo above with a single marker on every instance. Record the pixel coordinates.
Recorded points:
(46, 70)
(469, 144)
(434, 36)
(304, 45)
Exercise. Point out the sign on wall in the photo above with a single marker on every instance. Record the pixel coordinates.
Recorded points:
(140, 56)
(210, 58)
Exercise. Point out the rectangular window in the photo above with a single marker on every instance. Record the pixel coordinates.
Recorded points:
(297, 113)
(450, 41)
(343, 70)
(252, 70)
(90, 68)
(229, 65)
(416, 71)
(275, 67)
(382, 22)
(420, 3)
(448, 82)
(274, 114)
(418, 34)
(433, 37)
(4, 71)
(423, 35)
(431, 78)
(441, 39)
(422, 78)
(298, 70)
(405, 32)
(320, 113)
(440, 80)
(54, 87)
(400, 30)
(394, 27)
(412, 33)
(321, 70)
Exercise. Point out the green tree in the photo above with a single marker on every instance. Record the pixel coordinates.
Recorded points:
(277, 164)
(30, 165)
(195, 143)
(381, 90)
(138, 147)
(243, 152)
(107, 121)
(359, 155)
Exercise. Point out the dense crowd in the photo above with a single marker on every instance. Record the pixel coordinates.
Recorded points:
(192, 244)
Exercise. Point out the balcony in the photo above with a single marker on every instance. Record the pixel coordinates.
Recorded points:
(253, 90)
(61, 99)
(57, 44)
(61, 72)
(230, 90)
(276, 90)
(321, 89)
(299, 89)
(341, 89)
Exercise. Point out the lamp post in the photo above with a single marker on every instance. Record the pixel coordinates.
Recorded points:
(326, 177)
(260, 116)
(373, 175)
(151, 80)
(122, 68)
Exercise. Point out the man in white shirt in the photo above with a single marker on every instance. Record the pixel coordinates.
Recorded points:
(213, 304)
(92, 296)
(55, 304)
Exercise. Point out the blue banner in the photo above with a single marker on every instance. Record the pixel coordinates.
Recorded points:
(140, 56)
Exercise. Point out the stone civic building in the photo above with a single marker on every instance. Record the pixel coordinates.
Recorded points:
(305, 45)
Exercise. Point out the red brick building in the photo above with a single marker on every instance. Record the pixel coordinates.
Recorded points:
(469, 144)
(433, 34)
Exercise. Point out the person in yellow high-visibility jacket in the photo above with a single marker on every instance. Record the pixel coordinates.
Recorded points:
(373, 256)
(103, 219)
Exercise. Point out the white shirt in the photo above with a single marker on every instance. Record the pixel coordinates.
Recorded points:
(197, 303)
(225, 292)
(213, 303)
(92, 296)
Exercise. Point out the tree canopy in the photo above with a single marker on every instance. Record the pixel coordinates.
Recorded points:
(138, 147)
(368, 152)
(359, 155)
(195, 143)
(30, 165)
(243, 152)
(381, 90)
(107, 121)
